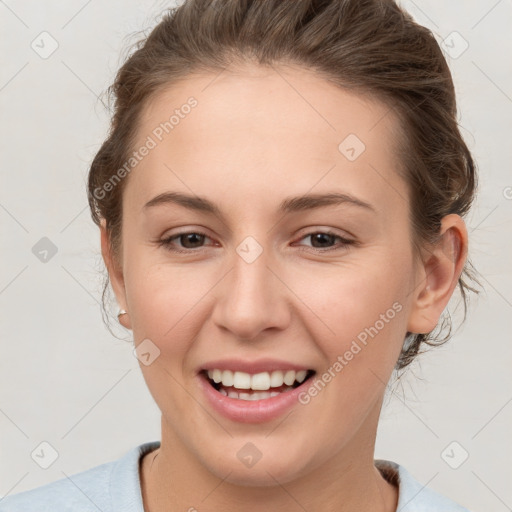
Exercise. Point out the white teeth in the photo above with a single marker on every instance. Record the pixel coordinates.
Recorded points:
(262, 395)
(276, 379)
(262, 381)
(227, 378)
(241, 380)
(289, 377)
(301, 376)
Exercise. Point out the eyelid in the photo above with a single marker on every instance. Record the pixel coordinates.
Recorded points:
(344, 242)
(310, 230)
(166, 240)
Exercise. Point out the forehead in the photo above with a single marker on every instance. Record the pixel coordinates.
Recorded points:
(274, 131)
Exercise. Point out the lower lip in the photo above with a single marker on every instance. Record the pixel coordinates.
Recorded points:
(251, 411)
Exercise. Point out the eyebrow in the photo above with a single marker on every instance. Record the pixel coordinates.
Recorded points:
(288, 205)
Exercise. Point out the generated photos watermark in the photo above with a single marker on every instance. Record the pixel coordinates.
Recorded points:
(151, 142)
(344, 359)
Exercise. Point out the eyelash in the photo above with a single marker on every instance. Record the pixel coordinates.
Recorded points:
(167, 242)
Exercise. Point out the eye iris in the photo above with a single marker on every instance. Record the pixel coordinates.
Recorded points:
(194, 237)
(322, 237)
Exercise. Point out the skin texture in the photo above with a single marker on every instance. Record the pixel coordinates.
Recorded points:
(256, 137)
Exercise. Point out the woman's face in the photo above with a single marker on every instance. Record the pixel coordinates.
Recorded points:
(264, 290)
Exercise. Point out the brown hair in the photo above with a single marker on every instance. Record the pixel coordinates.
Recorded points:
(372, 46)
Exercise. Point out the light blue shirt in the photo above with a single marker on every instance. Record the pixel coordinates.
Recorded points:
(115, 487)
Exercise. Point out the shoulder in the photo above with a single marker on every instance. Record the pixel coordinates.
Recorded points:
(88, 490)
(412, 495)
(109, 487)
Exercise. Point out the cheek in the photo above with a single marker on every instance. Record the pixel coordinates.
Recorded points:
(165, 300)
(359, 326)
(348, 299)
(165, 304)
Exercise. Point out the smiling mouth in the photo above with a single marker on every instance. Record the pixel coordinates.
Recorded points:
(259, 386)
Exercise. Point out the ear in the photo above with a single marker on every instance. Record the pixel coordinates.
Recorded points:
(438, 275)
(115, 273)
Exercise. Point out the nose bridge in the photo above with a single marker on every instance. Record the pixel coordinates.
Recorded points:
(252, 298)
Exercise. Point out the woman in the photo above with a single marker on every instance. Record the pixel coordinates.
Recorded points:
(280, 201)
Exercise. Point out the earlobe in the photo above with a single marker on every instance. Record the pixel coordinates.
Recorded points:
(115, 273)
(438, 275)
(123, 319)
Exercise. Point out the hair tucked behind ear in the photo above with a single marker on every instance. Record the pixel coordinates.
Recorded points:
(370, 46)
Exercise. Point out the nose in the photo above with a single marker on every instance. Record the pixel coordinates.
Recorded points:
(252, 298)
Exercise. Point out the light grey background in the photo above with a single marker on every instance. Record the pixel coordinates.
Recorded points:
(65, 380)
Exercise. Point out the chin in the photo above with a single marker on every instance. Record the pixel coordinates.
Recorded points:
(261, 475)
(250, 467)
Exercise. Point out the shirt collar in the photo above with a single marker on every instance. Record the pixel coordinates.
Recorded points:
(126, 493)
(125, 489)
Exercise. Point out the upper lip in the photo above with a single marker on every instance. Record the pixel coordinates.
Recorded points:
(252, 367)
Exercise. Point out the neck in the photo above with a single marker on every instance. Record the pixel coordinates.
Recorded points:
(172, 479)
